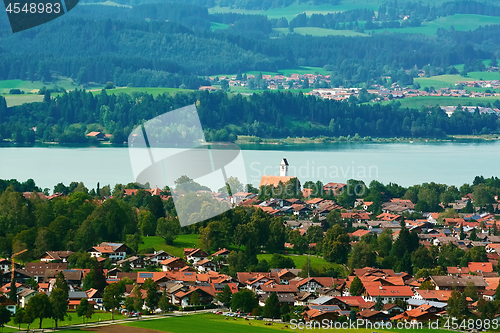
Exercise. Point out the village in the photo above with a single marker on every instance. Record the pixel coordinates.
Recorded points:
(369, 293)
(378, 93)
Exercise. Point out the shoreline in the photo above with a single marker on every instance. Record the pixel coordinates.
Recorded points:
(255, 141)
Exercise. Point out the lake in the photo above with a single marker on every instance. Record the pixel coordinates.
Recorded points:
(402, 163)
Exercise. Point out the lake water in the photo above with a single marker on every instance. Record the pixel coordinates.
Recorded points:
(402, 163)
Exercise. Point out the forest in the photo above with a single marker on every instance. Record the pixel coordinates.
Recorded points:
(69, 117)
(171, 45)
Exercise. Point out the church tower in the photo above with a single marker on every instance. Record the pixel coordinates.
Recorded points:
(284, 168)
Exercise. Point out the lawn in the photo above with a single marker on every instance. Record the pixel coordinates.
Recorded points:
(461, 22)
(317, 263)
(181, 242)
(322, 32)
(49, 323)
(208, 323)
(417, 102)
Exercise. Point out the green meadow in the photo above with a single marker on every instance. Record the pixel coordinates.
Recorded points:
(181, 242)
(445, 81)
(211, 323)
(317, 263)
(216, 25)
(418, 102)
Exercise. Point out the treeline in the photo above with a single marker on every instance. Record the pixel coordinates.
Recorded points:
(241, 4)
(68, 117)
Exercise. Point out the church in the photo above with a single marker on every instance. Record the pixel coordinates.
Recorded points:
(275, 180)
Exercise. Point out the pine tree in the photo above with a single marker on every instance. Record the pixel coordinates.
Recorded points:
(356, 287)
(13, 291)
(462, 233)
(272, 307)
(379, 304)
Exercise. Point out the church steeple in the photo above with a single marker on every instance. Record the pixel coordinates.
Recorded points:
(284, 168)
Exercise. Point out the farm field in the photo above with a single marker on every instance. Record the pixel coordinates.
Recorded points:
(461, 22)
(321, 32)
(417, 102)
(29, 86)
(13, 100)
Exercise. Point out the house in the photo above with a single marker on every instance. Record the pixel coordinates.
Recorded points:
(319, 313)
(135, 262)
(432, 295)
(5, 265)
(420, 313)
(9, 304)
(97, 135)
(173, 264)
(371, 315)
(113, 251)
(386, 293)
(25, 295)
(205, 265)
(20, 275)
(196, 255)
(336, 188)
(221, 253)
(61, 256)
(283, 298)
(157, 257)
(38, 269)
(182, 298)
(458, 282)
(480, 267)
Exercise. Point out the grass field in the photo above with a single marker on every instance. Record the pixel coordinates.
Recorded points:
(417, 102)
(32, 86)
(444, 81)
(461, 22)
(216, 25)
(49, 323)
(321, 32)
(316, 262)
(210, 323)
(181, 242)
(13, 100)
